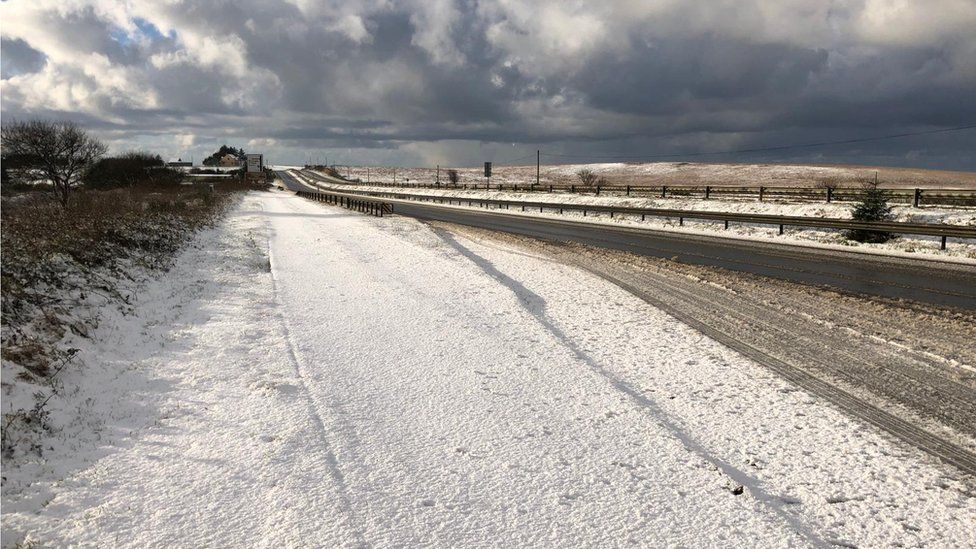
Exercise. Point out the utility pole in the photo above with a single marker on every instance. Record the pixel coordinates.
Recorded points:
(394, 177)
(537, 166)
(438, 180)
(367, 175)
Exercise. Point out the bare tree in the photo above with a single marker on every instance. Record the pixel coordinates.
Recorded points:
(587, 177)
(453, 176)
(58, 151)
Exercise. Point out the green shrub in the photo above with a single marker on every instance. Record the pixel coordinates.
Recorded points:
(873, 206)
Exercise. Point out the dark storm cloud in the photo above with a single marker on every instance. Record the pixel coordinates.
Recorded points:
(19, 58)
(615, 78)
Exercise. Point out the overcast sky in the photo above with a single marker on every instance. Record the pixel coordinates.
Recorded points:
(456, 83)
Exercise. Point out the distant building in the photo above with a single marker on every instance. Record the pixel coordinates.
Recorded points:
(255, 163)
(229, 161)
(179, 163)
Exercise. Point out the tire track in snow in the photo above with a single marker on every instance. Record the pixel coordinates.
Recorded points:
(332, 461)
(535, 305)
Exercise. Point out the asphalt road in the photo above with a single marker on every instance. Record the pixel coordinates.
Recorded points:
(891, 277)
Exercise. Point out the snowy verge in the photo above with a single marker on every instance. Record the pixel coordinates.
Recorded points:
(68, 273)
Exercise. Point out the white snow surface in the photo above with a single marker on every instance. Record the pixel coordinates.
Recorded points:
(308, 376)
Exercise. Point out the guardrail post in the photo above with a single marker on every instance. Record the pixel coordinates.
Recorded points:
(628, 190)
(943, 242)
(611, 214)
(681, 221)
(572, 188)
(726, 223)
(708, 191)
(664, 191)
(761, 190)
(550, 188)
(780, 228)
(830, 194)
(918, 195)
(598, 190)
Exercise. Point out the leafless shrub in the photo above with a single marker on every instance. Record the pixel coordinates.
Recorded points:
(128, 169)
(59, 152)
(453, 176)
(587, 178)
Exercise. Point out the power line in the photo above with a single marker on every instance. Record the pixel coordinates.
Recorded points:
(768, 149)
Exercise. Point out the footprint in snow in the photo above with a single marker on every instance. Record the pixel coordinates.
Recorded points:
(568, 499)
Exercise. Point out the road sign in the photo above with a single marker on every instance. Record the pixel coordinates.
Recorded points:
(255, 163)
(487, 169)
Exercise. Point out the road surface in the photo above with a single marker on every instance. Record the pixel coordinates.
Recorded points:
(898, 365)
(927, 281)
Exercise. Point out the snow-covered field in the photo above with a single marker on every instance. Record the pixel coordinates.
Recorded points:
(682, 173)
(910, 245)
(309, 376)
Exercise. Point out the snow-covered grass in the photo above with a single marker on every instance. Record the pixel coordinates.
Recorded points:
(308, 376)
(908, 245)
(66, 269)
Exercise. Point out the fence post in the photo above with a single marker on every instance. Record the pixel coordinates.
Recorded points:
(726, 223)
(572, 188)
(780, 228)
(598, 190)
(761, 189)
(943, 242)
(918, 194)
(708, 191)
(628, 190)
(664, 191)
(550, 187)
(830, 194)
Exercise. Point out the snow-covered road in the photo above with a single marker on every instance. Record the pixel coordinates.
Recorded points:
(308, 376)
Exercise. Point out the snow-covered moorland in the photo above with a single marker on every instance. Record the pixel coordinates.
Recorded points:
(679, 173)
(305, 375)
(910, 245)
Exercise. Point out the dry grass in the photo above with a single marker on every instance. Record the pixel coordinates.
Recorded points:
(56, 260)
(50, 252)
